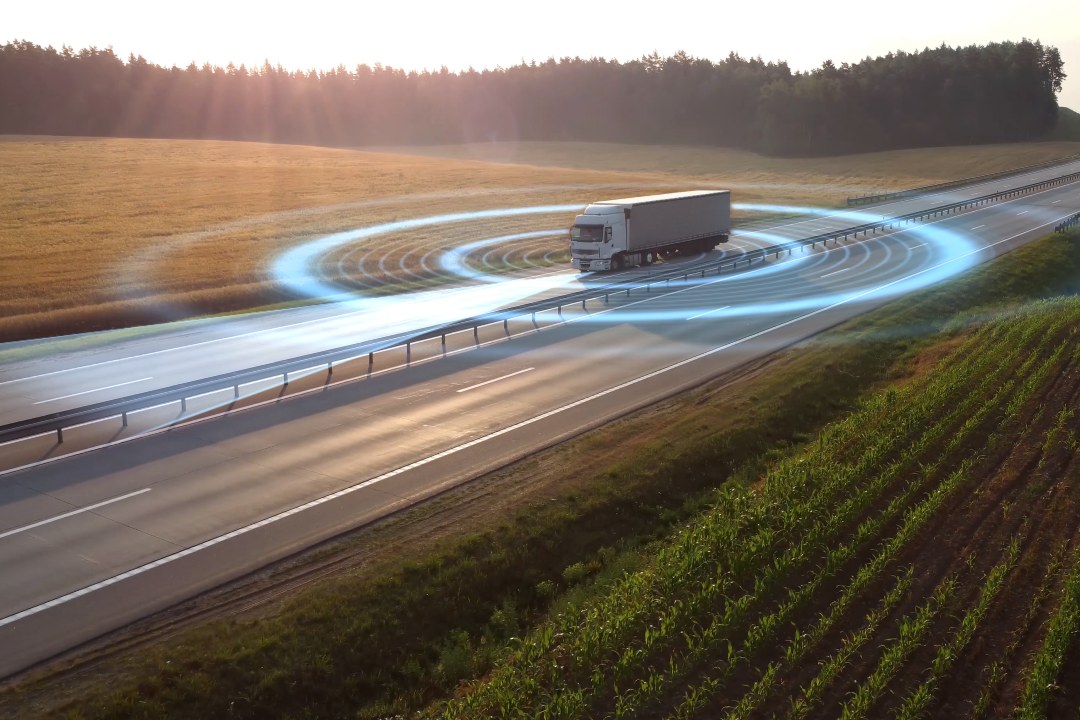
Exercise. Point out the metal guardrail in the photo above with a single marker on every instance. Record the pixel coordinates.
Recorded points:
(1067, 223)
(181, 394)
(926, 189)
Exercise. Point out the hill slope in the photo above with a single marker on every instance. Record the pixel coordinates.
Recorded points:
(920, 556)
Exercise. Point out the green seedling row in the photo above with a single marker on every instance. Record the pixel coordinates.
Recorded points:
(917, 703)
(1060, 636)
(722, 590)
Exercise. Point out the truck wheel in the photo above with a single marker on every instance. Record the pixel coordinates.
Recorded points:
(617, 262)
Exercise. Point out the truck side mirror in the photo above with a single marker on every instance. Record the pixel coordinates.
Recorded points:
(607, 234)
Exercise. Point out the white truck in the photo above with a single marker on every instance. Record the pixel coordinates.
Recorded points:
(616, 234)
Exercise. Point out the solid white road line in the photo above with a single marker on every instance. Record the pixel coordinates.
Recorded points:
(504, 377)
(88, 508)
(977, 227)
(134, 572)
(1023, 213)
(87, 392)
(836, 272)
(708, 312)
(912, 247)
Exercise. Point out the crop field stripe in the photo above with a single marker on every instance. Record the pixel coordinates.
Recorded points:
(844, 551)
(810, 694)
(647, 687)
(1060, 636)
(998, 670)
(912, 631)
(794, 650)
(916, 704)
(584, 663)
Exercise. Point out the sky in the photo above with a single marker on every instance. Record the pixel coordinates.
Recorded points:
(427, 34)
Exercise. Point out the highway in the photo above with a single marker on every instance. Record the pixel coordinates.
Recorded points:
(91, 542)
(59, 380)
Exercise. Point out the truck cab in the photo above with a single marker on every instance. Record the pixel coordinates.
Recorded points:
(596, 236)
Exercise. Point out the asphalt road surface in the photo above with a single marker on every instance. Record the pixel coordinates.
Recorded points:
(92, 542)
(55, 380)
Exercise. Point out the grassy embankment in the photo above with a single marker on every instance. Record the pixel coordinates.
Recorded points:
(940, 506)
(104, 233)
(923, 535)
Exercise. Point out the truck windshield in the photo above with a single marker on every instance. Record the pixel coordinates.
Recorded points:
(587, 233)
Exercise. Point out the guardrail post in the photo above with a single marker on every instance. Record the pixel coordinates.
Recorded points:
(285, 375)
(59, 436)
(370, 362)
(582, 304)
(444, 343)
(408, 351)
(183, 405)
(506, 325)
(330, 368)
(236, 390)
(476, 333)
(123, 419)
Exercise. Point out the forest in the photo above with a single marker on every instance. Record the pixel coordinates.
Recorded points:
(999, 92)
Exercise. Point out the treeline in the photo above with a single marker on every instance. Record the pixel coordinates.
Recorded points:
(999, 92)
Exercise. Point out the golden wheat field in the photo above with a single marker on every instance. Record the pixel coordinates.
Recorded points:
(99, 233)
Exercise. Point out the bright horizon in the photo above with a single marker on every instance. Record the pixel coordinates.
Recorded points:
(425, 35)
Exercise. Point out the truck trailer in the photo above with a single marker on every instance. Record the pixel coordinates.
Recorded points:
(616, 234)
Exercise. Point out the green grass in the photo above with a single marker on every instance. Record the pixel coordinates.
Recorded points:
(404, 632)
(697, 603)
(916, 703)
(1060, 636)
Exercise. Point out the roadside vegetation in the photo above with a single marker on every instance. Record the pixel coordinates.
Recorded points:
(110, 233)
(944, 486)
(878, 523)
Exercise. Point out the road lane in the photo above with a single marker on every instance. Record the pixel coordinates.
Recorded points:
(221, 475)
(205, 348)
